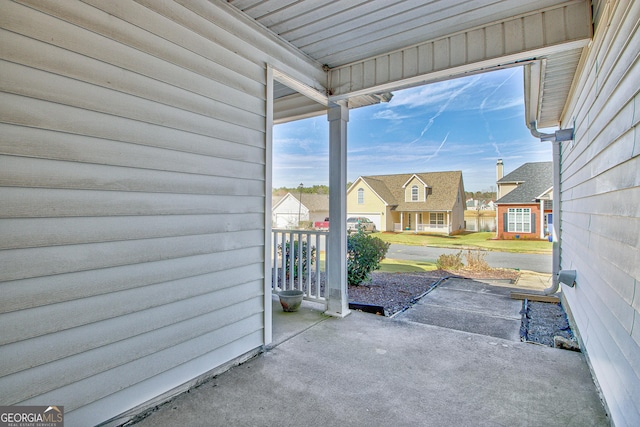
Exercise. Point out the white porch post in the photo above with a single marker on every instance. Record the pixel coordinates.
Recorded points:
(416, 222)
(336, 292)
(541, 220)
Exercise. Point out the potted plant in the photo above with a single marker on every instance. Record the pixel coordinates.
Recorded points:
(290, 300)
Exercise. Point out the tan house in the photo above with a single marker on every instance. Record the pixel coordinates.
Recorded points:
(430, 202)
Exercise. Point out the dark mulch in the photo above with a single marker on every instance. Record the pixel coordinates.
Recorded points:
(542, 321)
(395, 292)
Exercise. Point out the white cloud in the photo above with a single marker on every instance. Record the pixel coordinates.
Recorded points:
(388, 115)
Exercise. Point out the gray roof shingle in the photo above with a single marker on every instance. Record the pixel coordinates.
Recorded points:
(533, 179)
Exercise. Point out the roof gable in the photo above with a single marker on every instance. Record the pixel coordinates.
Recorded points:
(533, 179)
(445, 187)
(313, 202)
(414, 177)
(374, 189)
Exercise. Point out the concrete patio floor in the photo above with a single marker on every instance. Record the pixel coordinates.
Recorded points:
(368, 370)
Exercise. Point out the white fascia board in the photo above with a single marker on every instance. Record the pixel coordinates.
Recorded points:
(546, 193)
(369, 187)
(416, 177)
(544, 32)
(282, 200)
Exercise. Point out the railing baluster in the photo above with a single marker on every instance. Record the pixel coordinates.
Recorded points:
(291, 260)
(299, 262)
(299, 259)
(318, 250)
(283, 270)
(274, 263)
(309, 262)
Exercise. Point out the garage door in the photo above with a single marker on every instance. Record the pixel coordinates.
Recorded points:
(286, 220)
(375, 218)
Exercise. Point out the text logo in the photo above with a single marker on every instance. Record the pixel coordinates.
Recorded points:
(31, 416)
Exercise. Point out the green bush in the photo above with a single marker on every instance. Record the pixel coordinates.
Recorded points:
(364, 253)
(289, 255)
(450, 262)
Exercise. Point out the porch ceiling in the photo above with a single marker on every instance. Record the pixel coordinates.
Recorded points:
(347, 35)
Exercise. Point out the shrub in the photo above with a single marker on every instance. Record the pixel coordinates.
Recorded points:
(475, 261)
(364, 253)
(288, 257)
(450, 262)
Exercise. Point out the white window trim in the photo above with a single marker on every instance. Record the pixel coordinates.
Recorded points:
(521, 224)
(415, 193)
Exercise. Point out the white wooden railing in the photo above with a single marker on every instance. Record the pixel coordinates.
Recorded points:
(422, 227)
(297, 262)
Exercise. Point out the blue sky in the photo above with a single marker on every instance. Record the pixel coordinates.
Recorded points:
(462, 124)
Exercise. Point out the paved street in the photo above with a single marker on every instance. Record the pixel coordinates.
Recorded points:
(533, 262)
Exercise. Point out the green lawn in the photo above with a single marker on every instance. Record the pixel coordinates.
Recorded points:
(402, 266)
(468, 241)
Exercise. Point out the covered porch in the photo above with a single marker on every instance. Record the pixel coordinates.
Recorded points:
(425, 222)
(373, 370)
(135, 216)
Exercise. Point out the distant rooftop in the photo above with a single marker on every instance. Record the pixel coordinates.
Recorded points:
(533, 178)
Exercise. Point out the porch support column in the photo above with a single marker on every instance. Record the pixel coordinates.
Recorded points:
(336, 293)
(541, 220)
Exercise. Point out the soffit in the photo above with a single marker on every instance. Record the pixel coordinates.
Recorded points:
(337, 33)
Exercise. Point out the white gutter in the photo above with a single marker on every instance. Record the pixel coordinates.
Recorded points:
(555, 138)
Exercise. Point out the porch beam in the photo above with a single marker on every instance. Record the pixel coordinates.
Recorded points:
(336, 293)
(512, 40)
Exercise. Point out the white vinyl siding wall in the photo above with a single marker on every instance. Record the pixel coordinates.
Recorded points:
(132, 188)
(600, 193)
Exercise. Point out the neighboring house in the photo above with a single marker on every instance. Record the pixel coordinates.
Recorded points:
(288, 211)
(524, 202)
(428, 202)
(136, 162)
(480, 215)
(484, 205)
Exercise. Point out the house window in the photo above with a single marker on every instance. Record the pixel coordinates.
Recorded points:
(414, 193)
(436, 219)
(519, 220)
(360, 196)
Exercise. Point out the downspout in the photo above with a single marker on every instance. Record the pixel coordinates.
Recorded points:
(555, 138)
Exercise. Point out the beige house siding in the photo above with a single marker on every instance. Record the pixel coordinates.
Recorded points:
(600, 190)
(504, 189)
(457, 213)
(372, 205)
(132, 180)
(408, 191)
